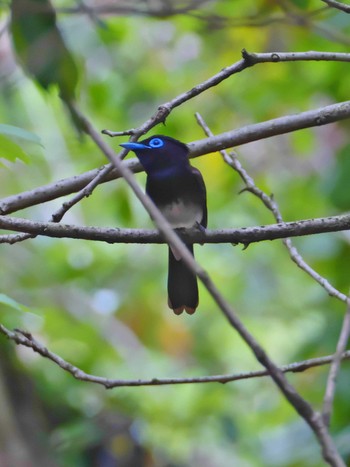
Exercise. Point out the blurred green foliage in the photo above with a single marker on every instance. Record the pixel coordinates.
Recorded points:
(103, 307)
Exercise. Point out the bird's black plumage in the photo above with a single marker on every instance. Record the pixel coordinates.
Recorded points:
(178, 190)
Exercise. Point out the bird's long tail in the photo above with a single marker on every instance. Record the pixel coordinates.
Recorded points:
(182, 286)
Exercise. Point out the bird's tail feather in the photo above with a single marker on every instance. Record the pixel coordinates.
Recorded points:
(182, 286)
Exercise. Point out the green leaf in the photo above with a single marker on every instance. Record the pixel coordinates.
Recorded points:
(16, 132)
(40, 46)
(8, 301)
(11, 151)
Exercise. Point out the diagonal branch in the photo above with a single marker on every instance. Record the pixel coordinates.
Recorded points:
(338, 5)
(312, 418)
(247, 61)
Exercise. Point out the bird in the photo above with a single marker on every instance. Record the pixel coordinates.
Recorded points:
(178, 190)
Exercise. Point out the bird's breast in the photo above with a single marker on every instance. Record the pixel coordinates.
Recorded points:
(182, 214)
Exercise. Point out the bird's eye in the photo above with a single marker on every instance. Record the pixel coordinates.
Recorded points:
(156, 143)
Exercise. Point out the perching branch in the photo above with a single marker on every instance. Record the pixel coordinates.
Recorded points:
(244, 236)
(26, 339)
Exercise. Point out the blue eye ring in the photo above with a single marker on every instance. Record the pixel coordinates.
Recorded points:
(156, 143)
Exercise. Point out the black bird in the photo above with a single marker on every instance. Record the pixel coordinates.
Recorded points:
(178, 190)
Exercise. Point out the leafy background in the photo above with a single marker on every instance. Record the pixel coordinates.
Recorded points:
(103, 307)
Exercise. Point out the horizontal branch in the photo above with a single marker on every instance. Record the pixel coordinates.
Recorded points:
(26, 339)
(244, 235)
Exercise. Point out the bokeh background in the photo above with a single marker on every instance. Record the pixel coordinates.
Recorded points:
(103, 307)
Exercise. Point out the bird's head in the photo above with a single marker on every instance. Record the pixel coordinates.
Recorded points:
(159, 153)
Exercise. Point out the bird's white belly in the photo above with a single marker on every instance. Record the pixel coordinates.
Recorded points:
(182, 215)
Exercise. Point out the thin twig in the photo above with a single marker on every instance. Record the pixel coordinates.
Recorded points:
(26, 339)
(58, 215)
(335, 366)
(84, 193)
(211, 20)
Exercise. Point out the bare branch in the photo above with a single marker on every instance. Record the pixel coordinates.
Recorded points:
(247, 61)
(245, 235)
(335, 366)
(277, 126)
(157, 10)
(290, 16)
(26, 339)
(338, 5)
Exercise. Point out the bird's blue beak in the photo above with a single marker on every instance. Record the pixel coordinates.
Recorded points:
(133, 146)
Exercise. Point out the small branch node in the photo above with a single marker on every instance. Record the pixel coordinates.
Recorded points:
(25, 334)
(162, 113)
(249, 58)
(275, 57)
(130, 132)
